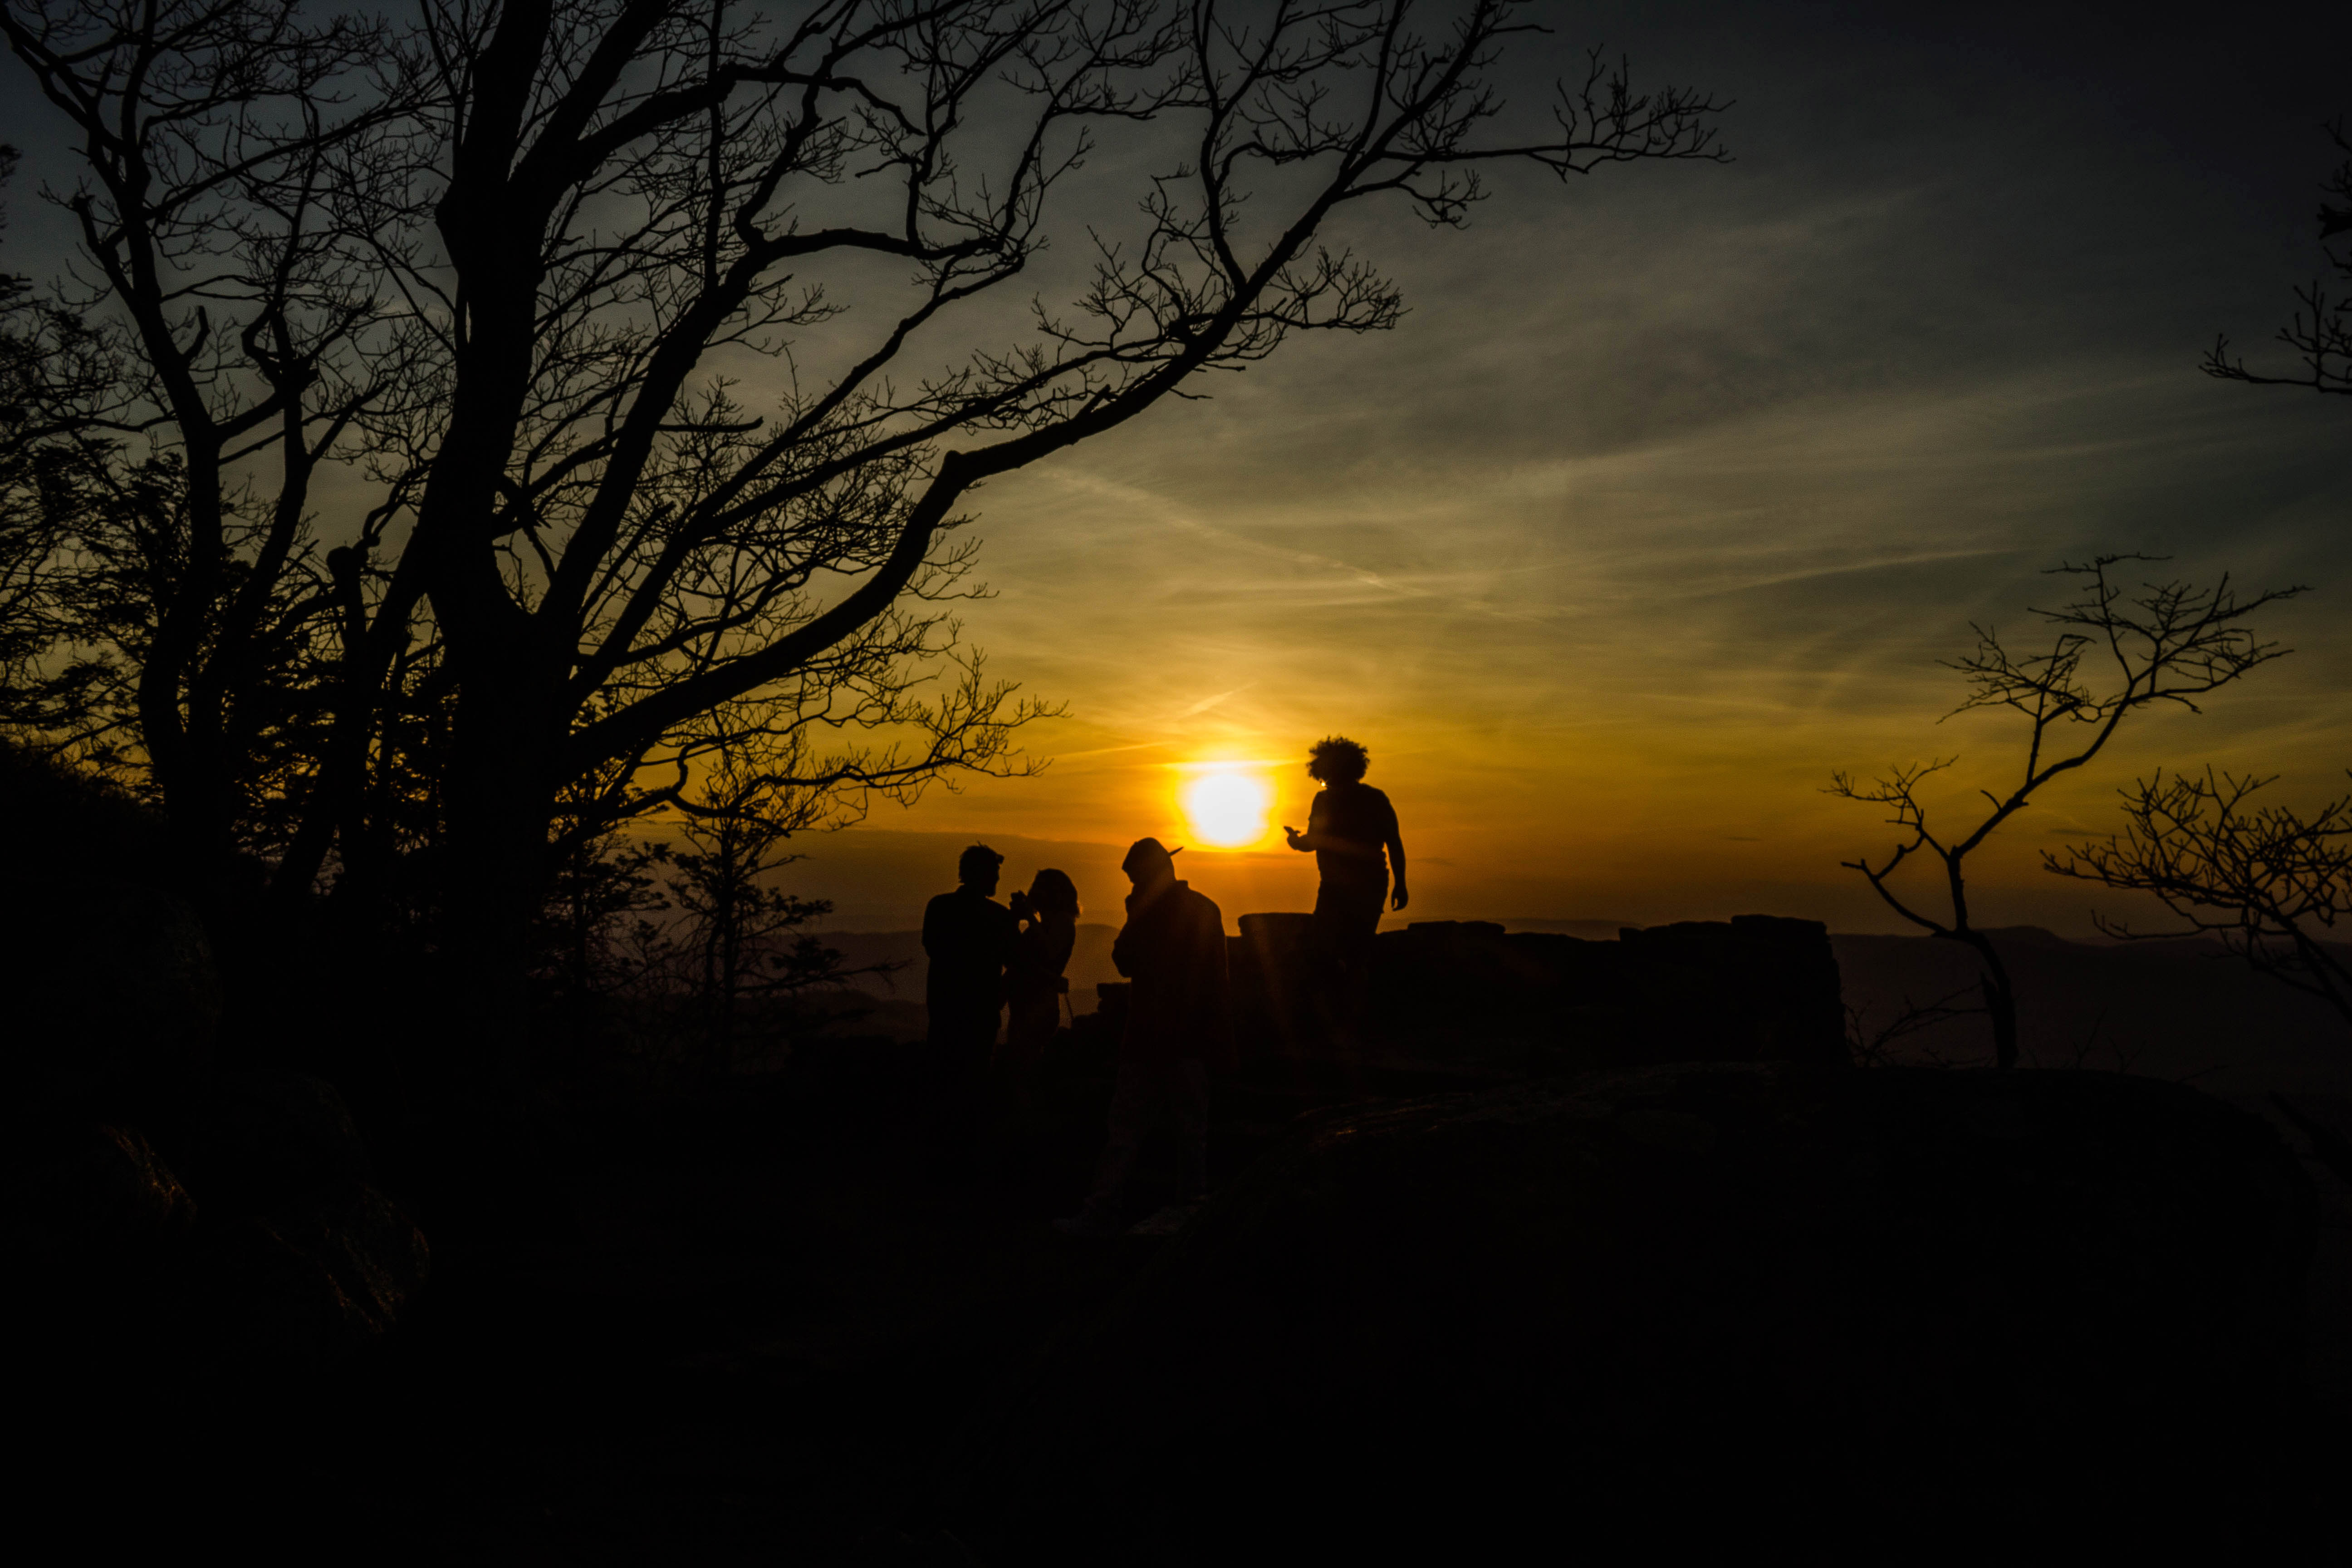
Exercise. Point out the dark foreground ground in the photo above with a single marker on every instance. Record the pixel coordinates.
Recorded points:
(776, 1325)
(761, 1324)
(748, 1322)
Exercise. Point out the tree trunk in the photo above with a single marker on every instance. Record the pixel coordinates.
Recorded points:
(2001, 1005)
(2000, 998)
(499, 800)
(186, 764)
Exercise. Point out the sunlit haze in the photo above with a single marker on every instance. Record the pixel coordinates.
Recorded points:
(1226, 807)
(1673, 487)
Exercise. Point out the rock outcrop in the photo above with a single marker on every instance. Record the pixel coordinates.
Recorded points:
(258, 1141)
(304, 1287)
(163, 1216)
(97, 1202)
(1468, 995)
(1706, 1298)
(289, 1263)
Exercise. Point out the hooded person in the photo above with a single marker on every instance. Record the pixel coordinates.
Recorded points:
(1178, 1023)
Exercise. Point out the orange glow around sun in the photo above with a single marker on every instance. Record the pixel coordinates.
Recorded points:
(1226, 808)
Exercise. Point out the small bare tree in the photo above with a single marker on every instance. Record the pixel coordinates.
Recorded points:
(1874, 1046)
(743, 935)
(2170, 643)
(696, 948)
(2321, 332)
(2269, 882)
(599, 894)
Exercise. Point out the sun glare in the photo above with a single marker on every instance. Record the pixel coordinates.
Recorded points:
(1226, 810)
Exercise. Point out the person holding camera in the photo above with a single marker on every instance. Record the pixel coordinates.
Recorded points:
(1034, 984)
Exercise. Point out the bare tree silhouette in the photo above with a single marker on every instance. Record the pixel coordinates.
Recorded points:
(235, 154)
(2321, 331)
(593, 928)
(2172, 642)
(56, 376)
(508, 266)
(2270, 882)
(1872, 1046)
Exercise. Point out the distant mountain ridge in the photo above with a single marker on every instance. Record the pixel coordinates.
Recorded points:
(1090, 963)
(2179, 1008)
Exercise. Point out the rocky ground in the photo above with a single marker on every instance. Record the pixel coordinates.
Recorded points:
(763, 1328)
(748, 1320)
(759, 1318)
(261, 1310)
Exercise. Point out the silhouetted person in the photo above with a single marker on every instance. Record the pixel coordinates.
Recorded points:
(1034, 982)
(1349, 827)
(1173, 948)
(969, 937)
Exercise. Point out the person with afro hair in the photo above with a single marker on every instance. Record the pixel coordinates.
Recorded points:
(1353, 830)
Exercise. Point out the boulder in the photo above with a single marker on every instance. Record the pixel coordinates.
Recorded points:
(1276, 976)
(95, 1200)
(292, 1265)
(258, 1140)
(285, 1258)
(1752, 988)
(1714, 1297)
(308, 1286)
(1469, 997)
(97, 1232)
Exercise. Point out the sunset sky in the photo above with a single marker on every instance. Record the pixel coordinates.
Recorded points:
(1670, 492)
(1673, 484)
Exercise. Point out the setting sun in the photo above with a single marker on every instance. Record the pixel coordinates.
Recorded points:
(1225, 809)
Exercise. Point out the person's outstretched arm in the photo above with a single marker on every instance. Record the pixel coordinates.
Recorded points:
(1305, 841)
